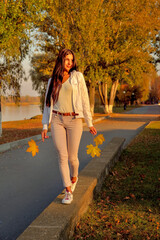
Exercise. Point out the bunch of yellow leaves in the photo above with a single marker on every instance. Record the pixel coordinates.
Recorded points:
(95, 150)
(33, 148)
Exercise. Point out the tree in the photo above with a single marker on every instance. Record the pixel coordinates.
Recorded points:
(113, 40)
(42, 67)
(129, 95)
(15, 23)
(10, 28)
(146, 84)
(155, 90)
(79, 26)
(131, 27)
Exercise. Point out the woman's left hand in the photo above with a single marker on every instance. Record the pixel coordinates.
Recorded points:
(93, 130)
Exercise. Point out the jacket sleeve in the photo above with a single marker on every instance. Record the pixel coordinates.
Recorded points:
(85, 102)
(46, 111)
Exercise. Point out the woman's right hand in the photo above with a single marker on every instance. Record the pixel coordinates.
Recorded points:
(44, 134)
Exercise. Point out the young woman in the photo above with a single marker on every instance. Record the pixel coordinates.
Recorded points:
(66, 104)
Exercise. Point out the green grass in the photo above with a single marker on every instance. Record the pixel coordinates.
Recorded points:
(121, 108)
(154, 125)
(128, 205)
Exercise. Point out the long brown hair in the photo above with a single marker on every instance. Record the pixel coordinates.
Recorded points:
(57, 76)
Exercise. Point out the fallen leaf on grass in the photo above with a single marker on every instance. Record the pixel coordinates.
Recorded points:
(33, 148)
(158, 225)
(125, 232)
(98, 212)
(117, 221)
(104, 216)
(132, 195)
(109, 224)
(114, 173)
(126, 198)
(119, 235)
(142, 176)
(107, 199)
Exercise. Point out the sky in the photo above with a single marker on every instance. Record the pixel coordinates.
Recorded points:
(26, 87)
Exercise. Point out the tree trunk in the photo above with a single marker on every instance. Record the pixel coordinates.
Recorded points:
(104, 96)
(92, 98)
(106, 110)
(100, 92)
(112, 95)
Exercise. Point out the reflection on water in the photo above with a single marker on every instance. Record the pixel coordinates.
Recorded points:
(13, 113)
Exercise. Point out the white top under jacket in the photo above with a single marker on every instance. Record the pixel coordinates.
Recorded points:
(65, 100)
(81, 103)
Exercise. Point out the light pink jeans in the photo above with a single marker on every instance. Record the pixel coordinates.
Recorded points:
(66, 134)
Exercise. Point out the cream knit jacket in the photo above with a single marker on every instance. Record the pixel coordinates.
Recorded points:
(80, 100)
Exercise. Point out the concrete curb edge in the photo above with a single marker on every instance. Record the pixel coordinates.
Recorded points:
(58, 221)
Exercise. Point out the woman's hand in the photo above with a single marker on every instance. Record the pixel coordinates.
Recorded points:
(44, 134)
(93, 130)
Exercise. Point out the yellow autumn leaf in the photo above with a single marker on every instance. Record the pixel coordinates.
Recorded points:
(93, 150)
(33, 148)
(99, 139)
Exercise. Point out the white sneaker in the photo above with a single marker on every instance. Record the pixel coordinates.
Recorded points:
(68, 198)
(73, 186)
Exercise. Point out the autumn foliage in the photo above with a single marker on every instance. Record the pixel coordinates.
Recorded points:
(95, 150)
(113, 42)
(33, 148)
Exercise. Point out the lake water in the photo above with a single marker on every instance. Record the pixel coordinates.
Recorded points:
(13, 113)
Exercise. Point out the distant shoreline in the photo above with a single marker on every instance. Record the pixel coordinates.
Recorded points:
(20, 104)
(23, 101)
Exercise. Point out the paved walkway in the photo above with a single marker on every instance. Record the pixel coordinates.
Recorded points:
(147, 109)
(28, 185)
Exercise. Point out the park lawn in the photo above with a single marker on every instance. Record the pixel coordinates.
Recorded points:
(128, 205)
(120, 109)
(16, 130)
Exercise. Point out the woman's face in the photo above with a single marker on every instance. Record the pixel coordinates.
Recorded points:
(68, 62)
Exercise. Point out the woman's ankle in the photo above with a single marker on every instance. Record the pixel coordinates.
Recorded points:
(68, 189)
(73, 179)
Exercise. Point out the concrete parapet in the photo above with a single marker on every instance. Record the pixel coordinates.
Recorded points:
(57, 221)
